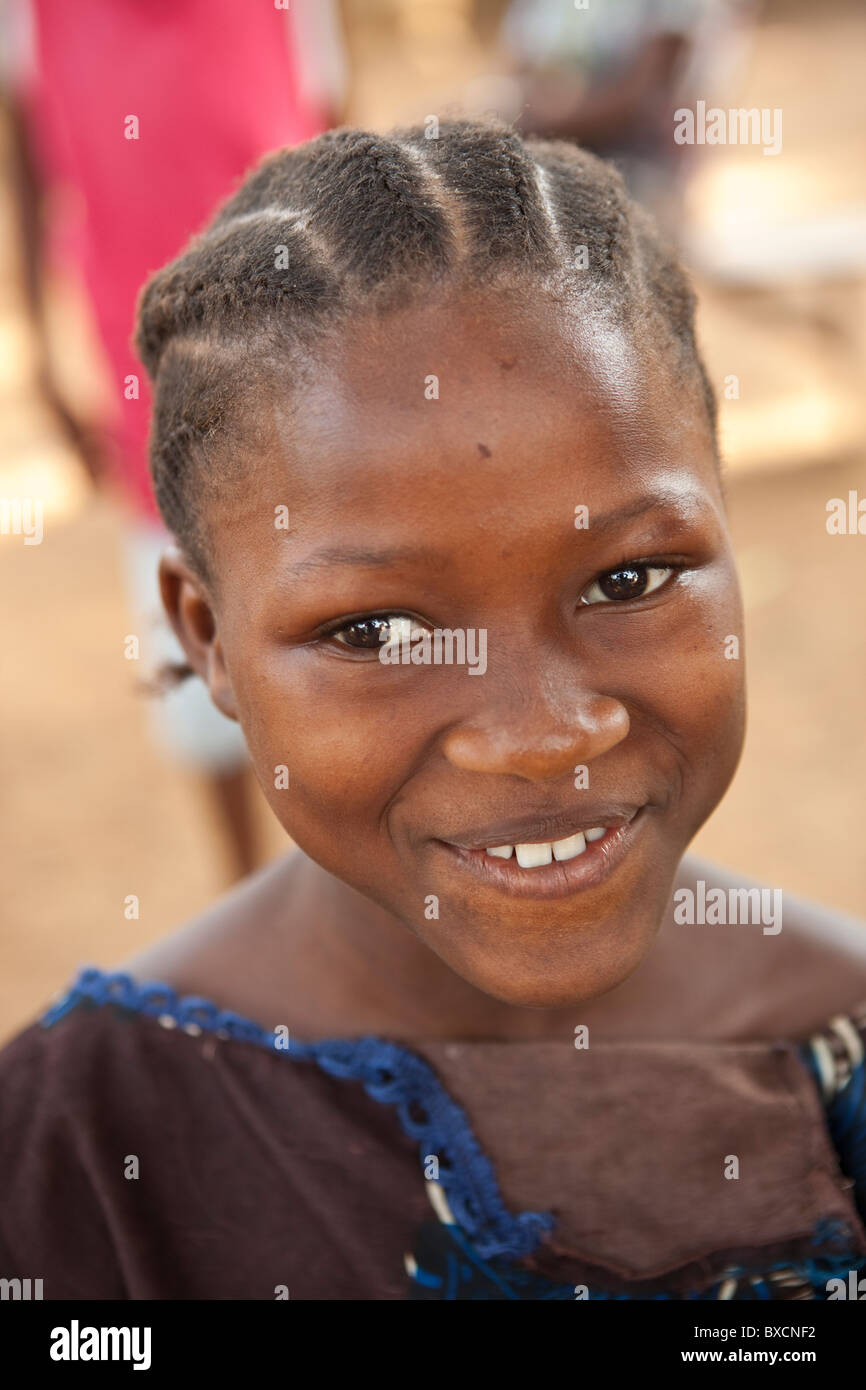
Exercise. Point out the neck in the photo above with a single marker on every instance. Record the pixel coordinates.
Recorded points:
(358, 969)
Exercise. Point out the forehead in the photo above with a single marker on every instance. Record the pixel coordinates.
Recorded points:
(490, 405)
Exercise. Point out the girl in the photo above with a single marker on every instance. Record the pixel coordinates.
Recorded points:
(481, 1035)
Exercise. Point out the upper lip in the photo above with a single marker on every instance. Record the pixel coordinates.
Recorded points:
(544, 829)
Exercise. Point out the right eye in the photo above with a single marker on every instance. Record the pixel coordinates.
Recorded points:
(370, 634)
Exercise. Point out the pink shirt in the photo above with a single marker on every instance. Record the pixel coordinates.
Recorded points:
(213, 85)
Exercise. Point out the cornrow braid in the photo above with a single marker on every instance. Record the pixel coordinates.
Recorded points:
(354, 221)
(493, 192)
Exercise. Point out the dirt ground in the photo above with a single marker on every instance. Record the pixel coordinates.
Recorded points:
(90, 813)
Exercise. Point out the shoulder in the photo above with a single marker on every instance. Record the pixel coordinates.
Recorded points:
(776, 964)
(231, 951)
(139, 1129)
(75, 1078)
(46, 1069)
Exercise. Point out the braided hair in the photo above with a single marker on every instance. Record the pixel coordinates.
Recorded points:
(354, 221)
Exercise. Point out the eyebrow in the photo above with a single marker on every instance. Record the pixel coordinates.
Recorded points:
(676, 505)
(366, 559)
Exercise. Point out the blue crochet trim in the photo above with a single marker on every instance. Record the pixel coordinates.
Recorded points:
(846, 1121)
(388, 1072)
(453, 1271)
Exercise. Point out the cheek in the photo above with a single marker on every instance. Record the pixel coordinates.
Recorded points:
(707, 659)
(684, 673)
(330, 745)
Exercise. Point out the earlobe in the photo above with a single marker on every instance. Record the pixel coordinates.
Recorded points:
(218, 681)
(190, 612)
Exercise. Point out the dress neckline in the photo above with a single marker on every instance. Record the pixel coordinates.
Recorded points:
(393, 1073)
(389, 1072)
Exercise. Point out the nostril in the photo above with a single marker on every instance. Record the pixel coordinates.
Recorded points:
(538, 742)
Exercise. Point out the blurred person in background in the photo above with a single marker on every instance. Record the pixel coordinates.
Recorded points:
(135, 119)
(609, 78)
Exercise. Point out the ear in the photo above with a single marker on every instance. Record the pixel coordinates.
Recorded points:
(191, 614)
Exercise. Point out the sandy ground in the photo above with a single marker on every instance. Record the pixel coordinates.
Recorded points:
(91, 813)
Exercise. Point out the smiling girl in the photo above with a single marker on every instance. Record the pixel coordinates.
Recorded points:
(456, 1044)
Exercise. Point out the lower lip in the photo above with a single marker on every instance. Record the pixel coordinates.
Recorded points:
(558, 879)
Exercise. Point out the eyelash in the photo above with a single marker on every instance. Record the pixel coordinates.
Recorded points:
(676, 567)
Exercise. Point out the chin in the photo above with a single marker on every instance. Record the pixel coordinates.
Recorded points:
(553, 977)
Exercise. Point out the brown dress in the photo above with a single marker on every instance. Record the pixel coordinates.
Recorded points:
(157, 1147)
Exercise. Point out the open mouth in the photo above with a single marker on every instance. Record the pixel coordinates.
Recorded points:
(551, 868)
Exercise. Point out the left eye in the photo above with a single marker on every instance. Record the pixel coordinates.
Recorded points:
(626, 582)
(369, 634)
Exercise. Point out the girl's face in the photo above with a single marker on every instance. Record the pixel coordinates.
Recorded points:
(548, 490)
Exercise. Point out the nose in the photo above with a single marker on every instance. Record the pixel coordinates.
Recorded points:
(544, 730)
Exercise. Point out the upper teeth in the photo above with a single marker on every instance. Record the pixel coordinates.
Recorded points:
(533, 856)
